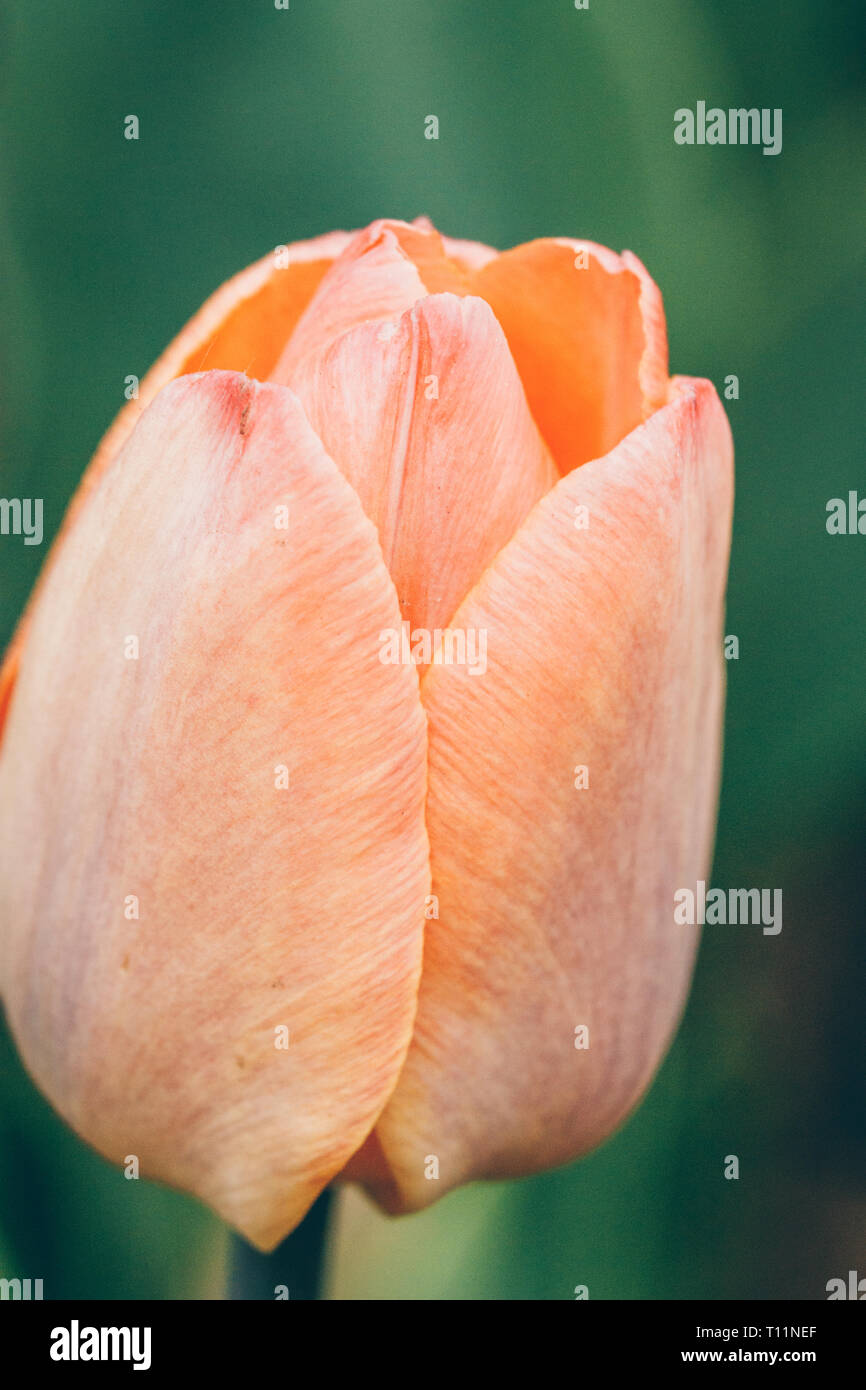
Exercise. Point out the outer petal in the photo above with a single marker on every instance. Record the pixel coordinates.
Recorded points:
(427, 419)
(259, 908)
(587, 331)
(556, 904)
(243, 327)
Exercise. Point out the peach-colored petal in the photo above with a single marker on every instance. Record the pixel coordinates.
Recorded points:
(427, 419)
(8, 677)
(430, 253)
(159, 778)
(586, 329)
(556, 904)
(471, 255)
(382, 272)
(467, 255)
(244, 327)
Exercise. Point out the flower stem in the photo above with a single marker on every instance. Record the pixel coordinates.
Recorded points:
(296, 1265)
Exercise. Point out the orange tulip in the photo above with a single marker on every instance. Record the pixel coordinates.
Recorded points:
(230, 819)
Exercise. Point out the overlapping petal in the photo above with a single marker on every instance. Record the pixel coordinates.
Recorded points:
(587, 331)
(555, 901)
(169, 904)
(427, 419)
(381, 273)
(242, 327)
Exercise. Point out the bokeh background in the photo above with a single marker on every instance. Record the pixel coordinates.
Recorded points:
(261, 126)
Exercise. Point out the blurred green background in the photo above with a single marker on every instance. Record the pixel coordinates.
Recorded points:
(261, 126)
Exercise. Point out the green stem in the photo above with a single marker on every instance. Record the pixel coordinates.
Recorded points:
(297, 1264)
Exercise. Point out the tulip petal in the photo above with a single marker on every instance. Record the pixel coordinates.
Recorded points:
(556, 904)
(8, 677)
(372, 280)
(467, 255)
(383, 271)
(243, 327)
(154, 787)
(587, 331)
(441, 271)
(427, 419)
(470, 255)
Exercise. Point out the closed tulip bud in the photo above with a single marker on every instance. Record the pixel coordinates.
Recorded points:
(363, 724)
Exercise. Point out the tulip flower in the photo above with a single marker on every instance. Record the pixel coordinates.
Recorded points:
(280, 904)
